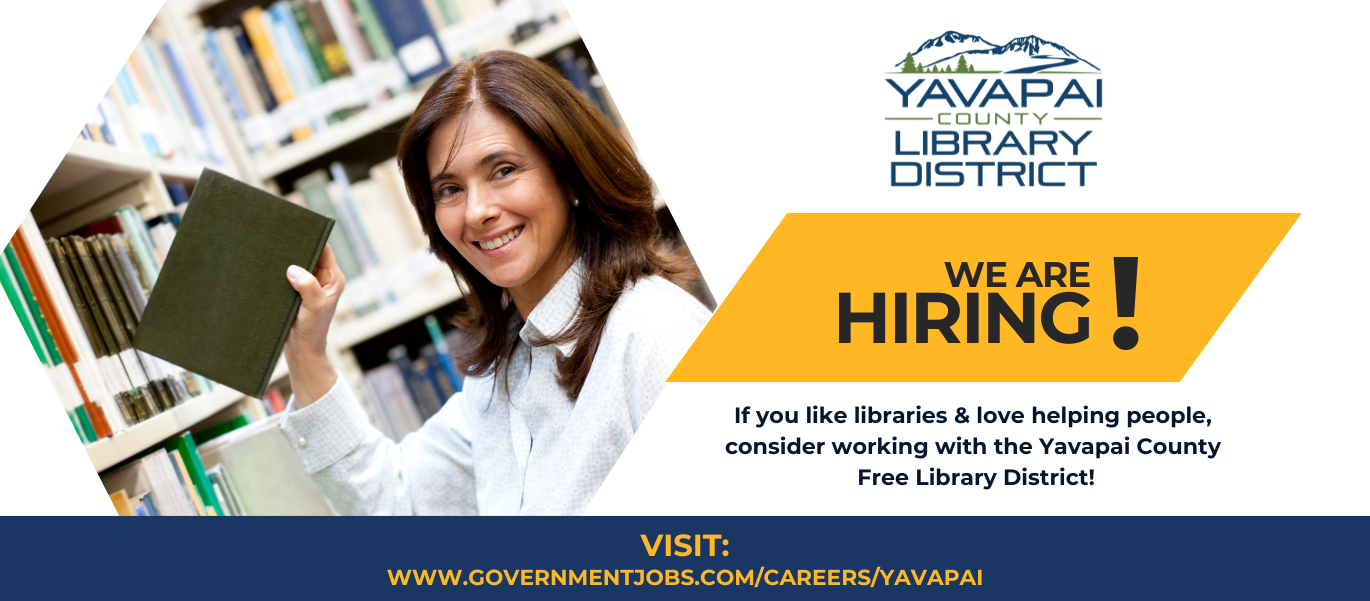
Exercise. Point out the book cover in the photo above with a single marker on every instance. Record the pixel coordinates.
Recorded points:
(412, 34)
(222, 306)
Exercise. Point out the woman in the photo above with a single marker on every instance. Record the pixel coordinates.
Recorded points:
(539, 206)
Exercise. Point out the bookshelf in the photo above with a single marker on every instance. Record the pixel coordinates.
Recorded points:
(109, 452)
(348, 334)
(91, 170)
(95, 177)
(335, 137)
(390, 112)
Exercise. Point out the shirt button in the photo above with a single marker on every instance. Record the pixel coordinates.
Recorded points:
(303, 441)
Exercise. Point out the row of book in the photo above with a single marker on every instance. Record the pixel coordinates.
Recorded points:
(296, 67)
(378, 241)
(407, 391)
(173, 482)
(154, 107)
(79, 299)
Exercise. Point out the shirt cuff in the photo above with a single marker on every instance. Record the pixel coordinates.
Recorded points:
(327, 430)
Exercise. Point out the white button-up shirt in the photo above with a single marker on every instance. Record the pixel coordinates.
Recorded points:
(524, 448)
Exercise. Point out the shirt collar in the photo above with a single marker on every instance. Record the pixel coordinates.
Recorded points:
(555, 311)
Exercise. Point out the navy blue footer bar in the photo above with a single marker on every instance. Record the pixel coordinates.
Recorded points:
(728, 557)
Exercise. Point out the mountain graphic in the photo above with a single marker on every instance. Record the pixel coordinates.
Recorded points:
(1029, 54)
(948, 45)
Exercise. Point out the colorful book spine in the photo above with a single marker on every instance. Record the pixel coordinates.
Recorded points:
(255, 26)
(449, 366)
(415, 40)
(298, 67)
(254, 67)
(185, 446)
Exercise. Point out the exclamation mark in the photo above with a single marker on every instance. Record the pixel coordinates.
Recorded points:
(1125, 284)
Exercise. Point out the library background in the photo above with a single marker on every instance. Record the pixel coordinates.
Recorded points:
(302, 98)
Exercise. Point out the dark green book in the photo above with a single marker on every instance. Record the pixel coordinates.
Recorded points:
(222, 306)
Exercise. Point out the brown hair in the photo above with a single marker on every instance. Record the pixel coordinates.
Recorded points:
(614, 230)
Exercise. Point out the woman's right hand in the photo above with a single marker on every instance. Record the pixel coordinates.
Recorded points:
(311, 373)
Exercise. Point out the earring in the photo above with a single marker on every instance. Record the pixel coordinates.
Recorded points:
(575, 202)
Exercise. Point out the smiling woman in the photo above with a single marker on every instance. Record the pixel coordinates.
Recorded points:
(544, 214)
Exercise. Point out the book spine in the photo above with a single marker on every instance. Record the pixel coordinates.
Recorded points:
(255, 26)
(285, 35)
(254, 67)
(128, 294)
(175, 102)
(185, 444)
(98, 384)
(378, 39)
(294, 309)
(314, 189)
(78, 297)
(100, 316)
(254, 123)
(31, 300)
(349, 31)
(388, 176)
(21, 311)
(347, 214)
(106, 279)
(419, 395)
(176, 61)
(309, 37)
(380, 386)
(183, 476)
(415, 40)
(225, 78)
(141, 242)
(63, 338)
(81, 417)
(146, 78)
(145, 116)
(126, 117)
(449, 366)
(330, 43)
(114, 121)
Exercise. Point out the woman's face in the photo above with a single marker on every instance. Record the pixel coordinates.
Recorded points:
(499, 204)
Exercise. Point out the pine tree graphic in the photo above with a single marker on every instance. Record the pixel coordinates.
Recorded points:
(909, 65)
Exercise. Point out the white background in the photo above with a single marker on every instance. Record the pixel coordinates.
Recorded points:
(59, 59)
(744, 113)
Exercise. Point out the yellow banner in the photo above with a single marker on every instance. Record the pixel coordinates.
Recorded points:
(983, 297)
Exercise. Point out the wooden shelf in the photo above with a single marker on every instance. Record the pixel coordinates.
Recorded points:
(92, 170)
(392, 111)
(336, 136)
(349, 334)
(108, 452)
(549, 39)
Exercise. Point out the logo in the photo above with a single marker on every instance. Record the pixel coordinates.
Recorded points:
(1030, 120)
(954, 52)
